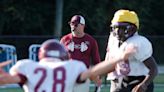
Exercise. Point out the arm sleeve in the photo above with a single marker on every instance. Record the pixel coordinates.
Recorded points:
(20, 69)
(62, 40)
(95, 53)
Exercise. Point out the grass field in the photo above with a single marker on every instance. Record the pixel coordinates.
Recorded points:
(159, 86)
(104, 89)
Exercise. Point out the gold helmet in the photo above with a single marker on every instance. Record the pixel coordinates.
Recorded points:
(126, 16)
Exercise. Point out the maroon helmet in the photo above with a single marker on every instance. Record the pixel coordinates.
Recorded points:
(53, 48)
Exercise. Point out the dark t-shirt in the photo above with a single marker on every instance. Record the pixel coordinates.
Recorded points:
(83, 49)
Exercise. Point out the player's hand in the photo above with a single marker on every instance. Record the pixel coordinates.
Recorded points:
(96, 79)
(140, 88)
(129, 50)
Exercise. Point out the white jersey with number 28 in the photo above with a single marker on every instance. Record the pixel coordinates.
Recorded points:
(49, 75)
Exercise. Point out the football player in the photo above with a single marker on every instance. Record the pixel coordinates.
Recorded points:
(136, 74)
(54, 72)
(51, 74)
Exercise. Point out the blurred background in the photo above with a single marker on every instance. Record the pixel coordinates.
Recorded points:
(26, 22)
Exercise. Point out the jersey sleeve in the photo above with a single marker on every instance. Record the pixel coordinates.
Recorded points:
(81, 67)
(95, 52)
(20, 67)
(111, 41)
(144, 49)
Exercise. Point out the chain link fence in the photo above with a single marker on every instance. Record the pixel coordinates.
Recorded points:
(22, 44)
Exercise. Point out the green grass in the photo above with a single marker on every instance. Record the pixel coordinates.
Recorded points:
(159, 89)
(11, 90)
(159, 79)
(159, 86)
(104, 89)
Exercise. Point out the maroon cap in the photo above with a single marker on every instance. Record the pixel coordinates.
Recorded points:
(77, 19)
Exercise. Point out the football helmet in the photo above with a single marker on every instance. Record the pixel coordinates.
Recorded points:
(126, 16)
(53, 48)
(124, 24)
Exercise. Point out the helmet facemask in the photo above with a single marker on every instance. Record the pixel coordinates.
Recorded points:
(123, 30)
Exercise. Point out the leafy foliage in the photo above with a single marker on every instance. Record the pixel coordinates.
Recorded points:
(26, 17)
(36, 17)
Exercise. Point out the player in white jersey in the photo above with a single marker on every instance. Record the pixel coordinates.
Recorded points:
(49, 76)
(54, 72)
(137, 73)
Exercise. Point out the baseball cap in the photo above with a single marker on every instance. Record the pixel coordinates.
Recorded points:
(77, 19)
(125, 16)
